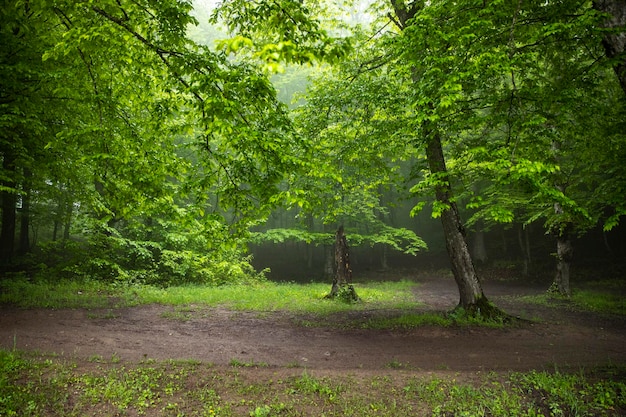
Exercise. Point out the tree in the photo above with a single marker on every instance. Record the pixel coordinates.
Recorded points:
(342, 280)
(614, 41)
(156, 143)
(427, 72)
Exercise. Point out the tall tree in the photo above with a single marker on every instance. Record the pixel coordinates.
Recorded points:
(430, 108)
(615, 38)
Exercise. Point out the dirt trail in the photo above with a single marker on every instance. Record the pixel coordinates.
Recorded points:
(562, 337)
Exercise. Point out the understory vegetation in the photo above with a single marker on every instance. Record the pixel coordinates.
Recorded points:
(396, 297)
(35, 385)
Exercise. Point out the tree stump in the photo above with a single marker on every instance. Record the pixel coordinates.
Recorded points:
(342, 286)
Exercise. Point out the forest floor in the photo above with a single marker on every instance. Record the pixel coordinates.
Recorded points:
(553, 337)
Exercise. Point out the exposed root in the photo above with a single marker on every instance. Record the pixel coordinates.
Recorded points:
(484, 311)
(344, 293)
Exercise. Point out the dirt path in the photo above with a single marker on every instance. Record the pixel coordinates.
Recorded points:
(562, 337)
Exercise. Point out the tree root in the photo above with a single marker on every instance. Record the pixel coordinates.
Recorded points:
(344, 293)
(484, 311)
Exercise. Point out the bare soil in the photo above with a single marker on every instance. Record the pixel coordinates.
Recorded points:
(553, 336)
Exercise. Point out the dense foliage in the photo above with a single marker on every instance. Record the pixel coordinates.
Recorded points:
(134, 151)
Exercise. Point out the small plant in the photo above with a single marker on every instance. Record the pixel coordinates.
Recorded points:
(347, 294)
(95, 358)
(262, 411)
(395, 364)
(309, 384)
(236, 363)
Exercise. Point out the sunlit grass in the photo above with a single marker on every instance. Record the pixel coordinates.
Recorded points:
(266, 296)
(283, 296)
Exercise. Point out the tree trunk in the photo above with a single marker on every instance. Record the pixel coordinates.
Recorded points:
(343, 273)
(9, 200)
(564, 254)
(615, 43)
(24, 244)
(471, 294)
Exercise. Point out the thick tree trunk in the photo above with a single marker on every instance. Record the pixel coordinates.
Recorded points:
(615, 43)
(470, 289)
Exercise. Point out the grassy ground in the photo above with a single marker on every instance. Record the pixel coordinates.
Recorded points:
(32, 385)
(35, 385)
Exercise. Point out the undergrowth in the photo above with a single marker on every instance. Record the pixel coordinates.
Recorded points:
(33, 385)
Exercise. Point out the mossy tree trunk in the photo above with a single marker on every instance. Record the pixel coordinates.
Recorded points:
(342, 279)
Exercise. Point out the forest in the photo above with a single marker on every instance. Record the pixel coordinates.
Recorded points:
(176, 142)
(182, 181)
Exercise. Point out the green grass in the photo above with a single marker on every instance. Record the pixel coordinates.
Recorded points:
(24, 293)
(263, 297)
(33, 385)
(600, 301)
(601, 297)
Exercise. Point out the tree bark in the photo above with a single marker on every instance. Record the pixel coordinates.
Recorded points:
(471, 296)
(564, 256)
(564, 253)
(615, 43)
(343, 273)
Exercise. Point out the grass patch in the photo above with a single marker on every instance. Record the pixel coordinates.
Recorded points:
(408, 321)
(90, 294)
(236, 363)
(602, 302)
(36, 386)
(594, 299)
(264, 297)
(269, 296)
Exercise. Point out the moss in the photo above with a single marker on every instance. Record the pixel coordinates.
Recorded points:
(482, 311)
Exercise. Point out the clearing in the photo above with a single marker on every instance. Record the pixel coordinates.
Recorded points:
(557, 336)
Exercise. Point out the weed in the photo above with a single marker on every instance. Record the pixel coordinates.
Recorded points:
(309, 384)
(236, 363)
(43, 385)
(407, 321)
(396, 364)
(95, 358)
